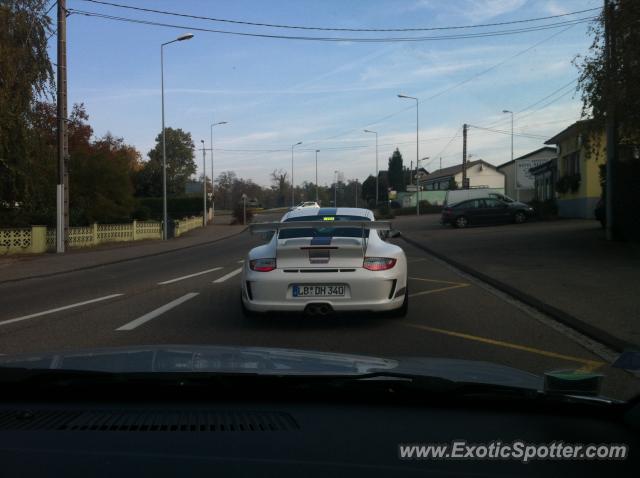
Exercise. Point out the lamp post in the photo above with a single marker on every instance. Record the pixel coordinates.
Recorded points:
(292, 183)
(417, 171)
(417, 145)
(317, 151)
(186, 36)
(213, 201)
(515, 166)
(335, 189)
(376, 133)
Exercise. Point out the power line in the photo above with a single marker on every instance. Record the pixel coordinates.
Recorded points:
(456, 135)
(537, 102)
(300, 27)
(521, 134)
(339, 39)
(51, 7)
(456, 85)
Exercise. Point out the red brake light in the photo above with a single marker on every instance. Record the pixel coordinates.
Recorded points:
(262, 265)
(378, 263)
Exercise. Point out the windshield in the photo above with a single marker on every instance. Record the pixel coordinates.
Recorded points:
(327, 229)
(153, 156)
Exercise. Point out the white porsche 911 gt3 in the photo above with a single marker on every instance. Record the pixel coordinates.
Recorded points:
(322, 260)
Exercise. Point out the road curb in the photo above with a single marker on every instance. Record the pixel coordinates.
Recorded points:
(590, 331)
(119, 261)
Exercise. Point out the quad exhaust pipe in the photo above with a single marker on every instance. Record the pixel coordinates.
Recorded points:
(319, 310)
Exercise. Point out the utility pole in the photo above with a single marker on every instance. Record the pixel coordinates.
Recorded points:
(464, 155)
(440, 162)
(317, 151)
(204, 185)
(610, 121)
(62, 207)
(335, 189)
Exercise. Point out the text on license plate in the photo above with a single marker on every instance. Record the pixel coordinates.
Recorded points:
(320, 290)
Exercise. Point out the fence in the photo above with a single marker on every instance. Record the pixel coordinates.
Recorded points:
(38, 239)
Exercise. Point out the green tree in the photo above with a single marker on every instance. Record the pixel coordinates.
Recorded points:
(224, 189)
(620, 83)
(396, 180)
(180, 159)
(280, 185)
(101, 187)
(25, 76)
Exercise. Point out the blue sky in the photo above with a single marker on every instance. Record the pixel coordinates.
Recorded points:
(274, 93)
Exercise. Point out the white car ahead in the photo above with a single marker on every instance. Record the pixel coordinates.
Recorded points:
(306, 204)
(323, 260)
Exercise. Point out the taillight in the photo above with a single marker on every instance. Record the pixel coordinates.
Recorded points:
(378, 263)
(262, 265)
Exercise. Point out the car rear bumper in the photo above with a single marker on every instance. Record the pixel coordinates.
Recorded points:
(365, 290)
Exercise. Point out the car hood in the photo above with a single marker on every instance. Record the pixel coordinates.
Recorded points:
(268, 361)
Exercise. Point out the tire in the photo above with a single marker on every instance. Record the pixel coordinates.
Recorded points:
(404, 308)
(519, 217)
(461, 222)
(246, 312)
(401, 311)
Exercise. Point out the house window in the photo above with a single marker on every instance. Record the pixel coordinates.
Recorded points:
(571, 163)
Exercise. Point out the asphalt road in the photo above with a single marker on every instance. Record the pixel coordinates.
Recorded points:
(192, 297)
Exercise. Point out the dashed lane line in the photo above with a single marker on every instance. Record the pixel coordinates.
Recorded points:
(59, 309)
(195, 274)
(587, 365)
(228, 276)
(157, 312)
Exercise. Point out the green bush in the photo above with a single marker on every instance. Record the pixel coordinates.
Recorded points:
(239, 212)
(177, 207)
(384, 212)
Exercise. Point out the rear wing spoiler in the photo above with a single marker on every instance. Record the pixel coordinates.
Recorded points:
(277, 226)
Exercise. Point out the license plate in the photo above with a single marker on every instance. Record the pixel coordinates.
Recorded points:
(319, 290)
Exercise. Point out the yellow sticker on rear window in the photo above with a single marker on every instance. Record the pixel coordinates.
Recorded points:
(328, 218)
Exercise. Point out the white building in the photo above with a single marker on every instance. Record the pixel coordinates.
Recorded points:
(479, 172)
(526, 185)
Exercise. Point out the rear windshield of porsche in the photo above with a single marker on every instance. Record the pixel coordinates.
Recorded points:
(326, 227)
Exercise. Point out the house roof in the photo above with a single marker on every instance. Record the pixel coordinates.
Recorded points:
(541, 168)
(568, 131)
(453, 170)
(549, 149)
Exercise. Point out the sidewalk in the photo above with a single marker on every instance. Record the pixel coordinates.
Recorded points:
(564, 268)
(14, 268)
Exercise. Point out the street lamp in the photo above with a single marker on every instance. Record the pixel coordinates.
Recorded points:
(335, 189)
(186, 36)
(204, 185)
(213, 201)
(417, 145)
(317, 151)
(376, 133)
(515, 168)
(292, 184)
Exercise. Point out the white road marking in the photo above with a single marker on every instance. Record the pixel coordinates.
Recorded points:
(159, 311)
(171, 281)
(241, 261)
(58, 309)
(228, 276)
